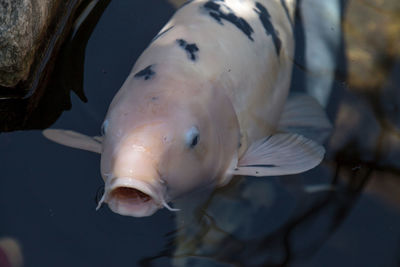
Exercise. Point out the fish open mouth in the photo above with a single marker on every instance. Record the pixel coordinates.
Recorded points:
(128, 196)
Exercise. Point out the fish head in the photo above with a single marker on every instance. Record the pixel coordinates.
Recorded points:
(159, 145)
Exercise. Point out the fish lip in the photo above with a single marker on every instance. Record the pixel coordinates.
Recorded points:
(135, 206)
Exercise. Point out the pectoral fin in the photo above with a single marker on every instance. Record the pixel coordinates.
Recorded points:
(280, 154)
(74, 139)
(304, 115)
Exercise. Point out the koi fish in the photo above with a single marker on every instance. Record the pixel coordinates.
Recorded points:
(204, 102)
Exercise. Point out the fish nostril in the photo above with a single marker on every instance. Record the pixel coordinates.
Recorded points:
(128, 193)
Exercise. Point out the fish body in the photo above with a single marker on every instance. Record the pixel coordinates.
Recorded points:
(203, 103)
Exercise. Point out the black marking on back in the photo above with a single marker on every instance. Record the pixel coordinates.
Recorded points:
(269, 28)
(283, 3)
(161, 33)
(191, 49)
(214, 10)
(145, 73)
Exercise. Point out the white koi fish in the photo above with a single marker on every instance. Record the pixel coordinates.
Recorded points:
(204, 102)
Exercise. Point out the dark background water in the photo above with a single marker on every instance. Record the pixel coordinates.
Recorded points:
(48, 192)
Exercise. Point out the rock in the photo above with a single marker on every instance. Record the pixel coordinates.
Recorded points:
(22, 27)
(41, 61)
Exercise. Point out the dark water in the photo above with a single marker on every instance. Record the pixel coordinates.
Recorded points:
(48, 192)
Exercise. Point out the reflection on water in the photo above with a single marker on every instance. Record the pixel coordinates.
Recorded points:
(47, 191)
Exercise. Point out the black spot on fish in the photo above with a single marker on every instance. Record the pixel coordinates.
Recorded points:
(283, 3)
(269, 28)
(215, 11)
(261, 166)
(191, 49)
(161, 33)
(146, 73)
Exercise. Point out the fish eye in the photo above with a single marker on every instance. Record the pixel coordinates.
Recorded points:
(192, 137)
(104, 127)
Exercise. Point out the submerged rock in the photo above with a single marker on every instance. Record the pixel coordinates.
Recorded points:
(372, 34)
(41, 61)
(23, 24)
